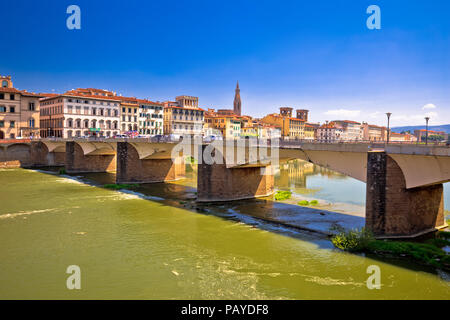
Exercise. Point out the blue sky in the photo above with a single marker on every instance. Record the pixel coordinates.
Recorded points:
(306, 54)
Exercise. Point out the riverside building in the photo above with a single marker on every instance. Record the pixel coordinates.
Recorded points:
(80, 113)
(183, 116)
(291, 128)
(151, 117)
(19, 111)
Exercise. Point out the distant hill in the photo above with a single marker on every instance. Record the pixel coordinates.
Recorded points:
(444, 127)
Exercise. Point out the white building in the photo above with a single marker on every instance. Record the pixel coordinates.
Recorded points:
(329, 132)
(352, 130)
(73, 114)
(183, 116)
(151, 117)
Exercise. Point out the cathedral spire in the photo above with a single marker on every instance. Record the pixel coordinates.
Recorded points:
(237, 100)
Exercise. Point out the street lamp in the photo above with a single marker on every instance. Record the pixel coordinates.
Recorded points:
(388, 118)
(426, 130)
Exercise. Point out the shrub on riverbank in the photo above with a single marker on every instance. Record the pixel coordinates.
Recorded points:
(352, 240)
(62, 171)
(429, 253)
(120, 186)
(303, 203)
(314, 202)
(282, 195)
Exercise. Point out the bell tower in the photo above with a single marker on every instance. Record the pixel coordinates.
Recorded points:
(6, 82)
(237, 101)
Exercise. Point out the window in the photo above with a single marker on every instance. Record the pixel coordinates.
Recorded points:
(5, 84)
(31, 123)
(2, 109)
(31, 106)
(2, 96)
(12, 124)
(11, 96)
(12, 109)
(2, 124)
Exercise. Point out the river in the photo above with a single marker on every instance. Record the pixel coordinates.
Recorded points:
(154, 243)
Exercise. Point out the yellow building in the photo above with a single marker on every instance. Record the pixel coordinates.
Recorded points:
(249, 132)
(291, 128)
(19, 111)
(310, 132)
(129, 115)
(228, 125)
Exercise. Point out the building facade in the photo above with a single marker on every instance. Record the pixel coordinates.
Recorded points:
(329, 132)
(291, 128)
(421, 135)
(373, 133)
(19, 111)
(79, 115)
(129, 116)
(151, 118)
(228, 125)
(352, 130)
(183, 116)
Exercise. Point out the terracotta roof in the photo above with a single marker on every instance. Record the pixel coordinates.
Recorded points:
(149, 102)
(347, 121)
(22, 92)
(185, 108)
(77, 95)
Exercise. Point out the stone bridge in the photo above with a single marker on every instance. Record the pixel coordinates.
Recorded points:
(404, 195)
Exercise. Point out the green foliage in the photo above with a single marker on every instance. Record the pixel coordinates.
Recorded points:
(314, 202)
(282, 195)
(62, 171)
(352, 240)
(443, 235)
(436, 137)
(190, 160)
(303, 203)
(422, 252)
(429, 253)
(120, 186)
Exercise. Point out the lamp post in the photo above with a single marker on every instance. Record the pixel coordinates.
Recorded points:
(426, 130)
(388, 114)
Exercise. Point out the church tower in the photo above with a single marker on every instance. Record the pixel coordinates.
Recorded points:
(6, 82)
(237, 101)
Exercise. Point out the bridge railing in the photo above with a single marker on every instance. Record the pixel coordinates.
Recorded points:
(251, 141)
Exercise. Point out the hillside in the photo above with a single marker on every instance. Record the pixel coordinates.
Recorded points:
(444, 127)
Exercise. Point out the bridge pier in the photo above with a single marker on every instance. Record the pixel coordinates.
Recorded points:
(77, 161)
(392, 210)
(217, 182)
(132, 169)
(41, 157)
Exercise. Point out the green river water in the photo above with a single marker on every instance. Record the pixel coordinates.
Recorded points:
(149, 245)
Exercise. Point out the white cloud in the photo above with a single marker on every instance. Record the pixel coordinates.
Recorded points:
(375, 115)
(429, 106)
(414, 119)
(343, 113)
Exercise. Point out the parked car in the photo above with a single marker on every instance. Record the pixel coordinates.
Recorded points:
(174, 137)
(120, 136)
(212, 138)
